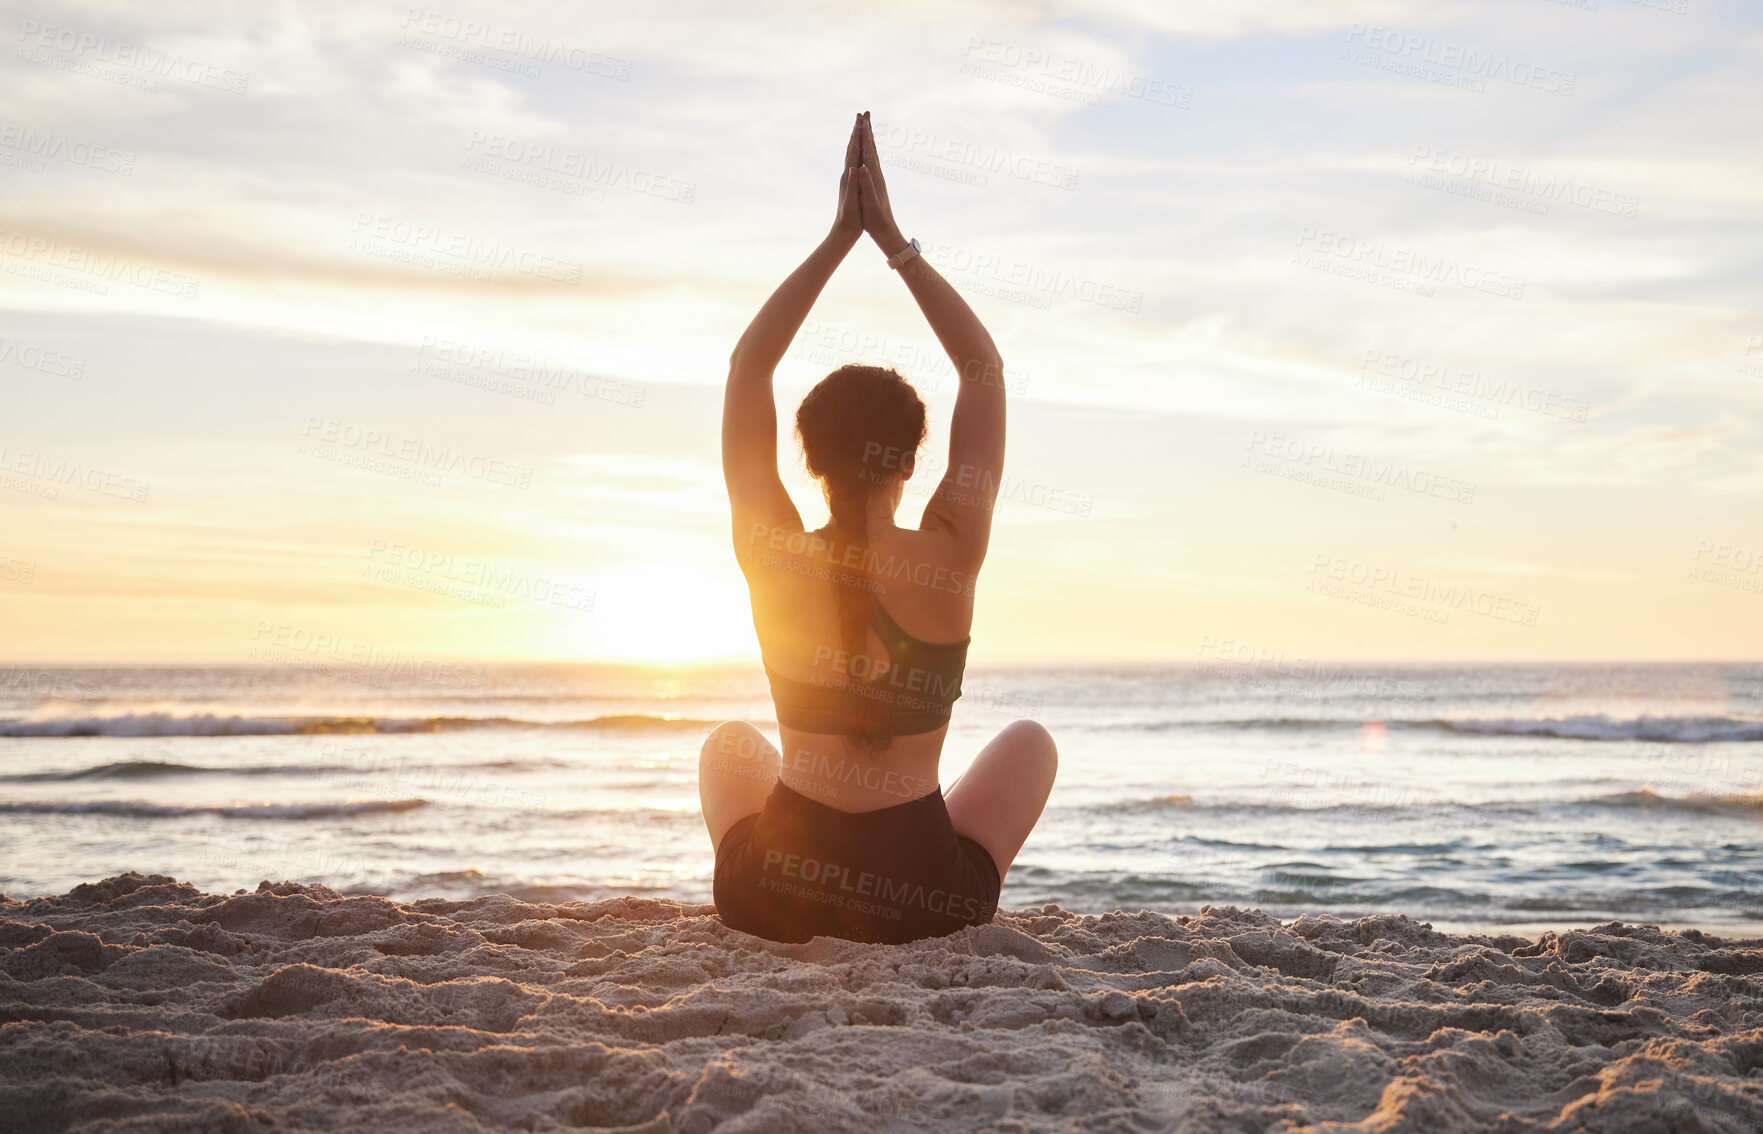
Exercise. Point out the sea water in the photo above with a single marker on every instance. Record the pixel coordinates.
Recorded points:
(1515, 796)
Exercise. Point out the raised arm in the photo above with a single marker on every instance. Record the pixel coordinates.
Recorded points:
(963, 502)
(749, 410)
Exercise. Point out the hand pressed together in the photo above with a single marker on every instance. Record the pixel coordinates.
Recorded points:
(848, 222)
(863, 193)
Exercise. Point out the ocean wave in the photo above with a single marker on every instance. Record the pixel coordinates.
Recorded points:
(1149, 803)
(1320, 804)
(1246, 724)
(334, 770)
(1593, 727)
(146, 724)
(664, 813)
(1666, 730)
(147, 770)
(138, 809)
(1647, 798)
(209, 724)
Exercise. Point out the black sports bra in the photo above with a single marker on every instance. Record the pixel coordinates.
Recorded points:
(917, 689)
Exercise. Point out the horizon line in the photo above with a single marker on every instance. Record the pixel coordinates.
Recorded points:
(731, 662)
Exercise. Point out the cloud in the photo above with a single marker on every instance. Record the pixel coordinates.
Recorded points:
(620, 190)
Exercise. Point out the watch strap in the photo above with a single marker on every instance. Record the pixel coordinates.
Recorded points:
(904, 256)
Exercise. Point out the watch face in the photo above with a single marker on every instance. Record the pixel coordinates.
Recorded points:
(916, 246)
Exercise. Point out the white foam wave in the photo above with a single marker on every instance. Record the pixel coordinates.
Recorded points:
(139, 809)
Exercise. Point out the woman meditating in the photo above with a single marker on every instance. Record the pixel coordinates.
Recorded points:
(863, 629)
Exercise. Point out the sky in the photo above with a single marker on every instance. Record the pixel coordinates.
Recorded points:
(1376, 331)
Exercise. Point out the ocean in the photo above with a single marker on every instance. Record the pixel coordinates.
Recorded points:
(1517, 797)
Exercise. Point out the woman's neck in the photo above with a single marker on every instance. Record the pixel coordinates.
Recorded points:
(878, 512)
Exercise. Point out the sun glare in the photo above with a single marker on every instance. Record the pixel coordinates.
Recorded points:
(671, 615)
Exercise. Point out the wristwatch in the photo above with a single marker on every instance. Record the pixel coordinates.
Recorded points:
(900, 259)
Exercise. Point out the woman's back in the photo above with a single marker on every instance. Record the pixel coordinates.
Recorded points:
(901, 680)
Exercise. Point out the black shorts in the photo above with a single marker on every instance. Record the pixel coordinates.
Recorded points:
(800, 869)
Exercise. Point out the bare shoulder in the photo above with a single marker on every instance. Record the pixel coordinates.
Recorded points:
(929, 569)
(761, 544)
(780, 561)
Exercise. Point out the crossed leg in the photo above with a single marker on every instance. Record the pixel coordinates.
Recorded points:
(736, 770)
(997, 801)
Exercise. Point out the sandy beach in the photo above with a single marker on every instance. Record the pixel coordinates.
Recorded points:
(140, 1003)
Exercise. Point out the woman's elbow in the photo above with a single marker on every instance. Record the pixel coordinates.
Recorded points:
(741, 364)
(986, 369)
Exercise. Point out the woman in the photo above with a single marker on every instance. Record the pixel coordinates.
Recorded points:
(863, 627)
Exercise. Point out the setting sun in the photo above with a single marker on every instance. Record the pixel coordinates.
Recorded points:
(671, 615)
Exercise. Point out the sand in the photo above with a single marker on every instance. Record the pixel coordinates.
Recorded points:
(139, 1003)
